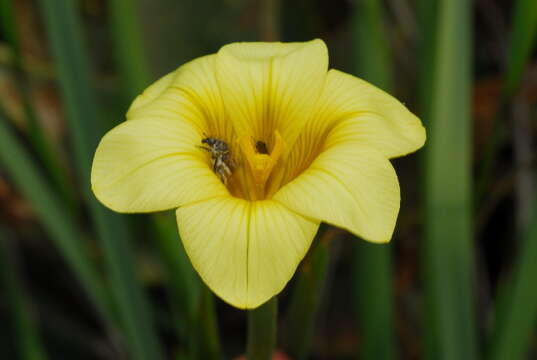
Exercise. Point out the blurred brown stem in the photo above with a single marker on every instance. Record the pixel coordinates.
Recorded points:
(269, 20)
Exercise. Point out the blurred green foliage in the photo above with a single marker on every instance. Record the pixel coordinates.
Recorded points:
(456, 283)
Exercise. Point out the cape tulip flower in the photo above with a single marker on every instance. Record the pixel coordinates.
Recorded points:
(307, 144)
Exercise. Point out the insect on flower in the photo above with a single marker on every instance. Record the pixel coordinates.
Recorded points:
(220, 157)
(312, 145)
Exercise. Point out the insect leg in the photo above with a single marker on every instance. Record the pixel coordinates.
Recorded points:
(204, 148)
(223, 178)
(216, 164)
(226, 168)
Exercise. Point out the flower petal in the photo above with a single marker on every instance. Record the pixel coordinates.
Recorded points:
(370, 115)
(189, 93)
(152, 165)
(271, 86)
(245, 251)
(351, 186)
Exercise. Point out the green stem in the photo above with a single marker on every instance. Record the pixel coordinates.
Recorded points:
(373, 296)
(262, 331)
(206, 345)
(306, 298)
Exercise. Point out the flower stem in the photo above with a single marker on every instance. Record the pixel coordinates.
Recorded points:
(299, 327)
(207, 342)
(269, 20)
(262, 331)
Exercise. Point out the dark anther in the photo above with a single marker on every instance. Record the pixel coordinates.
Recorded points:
(261, 147)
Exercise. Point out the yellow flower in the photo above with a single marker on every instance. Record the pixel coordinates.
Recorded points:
(305, 145)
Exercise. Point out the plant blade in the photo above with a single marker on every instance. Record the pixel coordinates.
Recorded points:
(26, 331)
(64, 31)
(372, 264)
(523, 39)
(516, 302)
(306, 298)
(448, 247)
(56, 220)
(517, 317)
(128, 45)
(44, 148)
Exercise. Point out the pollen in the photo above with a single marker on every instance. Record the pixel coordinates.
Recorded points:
(261, 161)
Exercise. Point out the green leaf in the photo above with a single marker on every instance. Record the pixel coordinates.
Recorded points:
(448, 245)
(306, 298)
(44, 148)
(516, 303)
(8, 26)
(206, 336)
(192, 302)
(72, 65)
(523, 39)
(374, 299)
(373, 54)
(427, 18)
(128, 46)
(55, 218)
(182, 282)
(26, 332)
(372, 264)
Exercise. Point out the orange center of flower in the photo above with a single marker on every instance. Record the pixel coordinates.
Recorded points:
(256, 163)
(260, 161)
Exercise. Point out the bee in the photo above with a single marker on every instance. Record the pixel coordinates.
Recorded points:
(220, 157)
